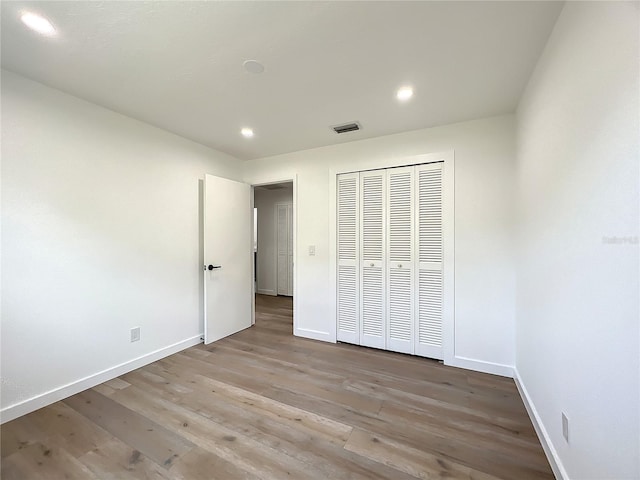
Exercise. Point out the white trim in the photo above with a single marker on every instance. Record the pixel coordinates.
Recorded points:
(448, 185)
(313, 334)
(254, 253)
(481, 366)
(549, 450)
(295, 250)
(262, 291)
(449, 257)
(333, 257)
(34, 403)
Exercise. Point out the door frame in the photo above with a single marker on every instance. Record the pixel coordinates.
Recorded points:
(448, 228)
(294, 202)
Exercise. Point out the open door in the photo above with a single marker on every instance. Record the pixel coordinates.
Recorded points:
(228, 247)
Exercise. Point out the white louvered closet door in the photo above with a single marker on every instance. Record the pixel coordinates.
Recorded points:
(290, 248)
(400, 217)
(283, 245)
(372, 248)
(348, 252)
(429, 281)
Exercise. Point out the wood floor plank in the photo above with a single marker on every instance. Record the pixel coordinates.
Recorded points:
(214, 391)
(219, 437)
(76, 433)
(115, 460)
(452, 413)
(263, 404)
(310, 438)
(44, 461)
(201, 464)
(410, 460)
(421, 388)
(20, 433)
(117, 383)
(296, 449)
(152, 439)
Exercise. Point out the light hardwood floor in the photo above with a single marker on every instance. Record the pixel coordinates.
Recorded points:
(264, 404)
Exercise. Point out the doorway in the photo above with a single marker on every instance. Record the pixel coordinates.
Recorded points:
(274, 236)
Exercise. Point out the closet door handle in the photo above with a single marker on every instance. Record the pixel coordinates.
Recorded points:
(399, 265)
(372, 265)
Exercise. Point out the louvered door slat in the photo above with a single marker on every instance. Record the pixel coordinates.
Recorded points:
(347, 305)
(372, 307)
(400, 328)
(372, 214)
(348, 311)
(347, 216)
(429, 285)
(400, 307)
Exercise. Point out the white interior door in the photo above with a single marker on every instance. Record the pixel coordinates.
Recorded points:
(429, 281)
(284, 245)
(372, 248)
(400, 298)
(228, 249)
(290, 249)
(348, 305)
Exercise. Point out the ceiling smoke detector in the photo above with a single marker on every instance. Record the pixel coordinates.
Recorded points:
(253, 66)
(347, 127)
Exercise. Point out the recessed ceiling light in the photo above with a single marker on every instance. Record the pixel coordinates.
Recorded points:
(404, 93)
(246, 132)
(38, 24)
(253, 66)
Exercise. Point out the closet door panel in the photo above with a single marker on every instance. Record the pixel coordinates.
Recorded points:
(348, 252)
(429, 238)
(290, 249)
(400, 291)
(372, 234)
(283, 248)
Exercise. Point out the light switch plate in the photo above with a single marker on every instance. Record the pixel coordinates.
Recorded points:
(312, 250)
(135, 334)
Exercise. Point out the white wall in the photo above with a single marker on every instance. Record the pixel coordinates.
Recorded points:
(484, 268)
(100, 233)
(267, 262)
(577, 306)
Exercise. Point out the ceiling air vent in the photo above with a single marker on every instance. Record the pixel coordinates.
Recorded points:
(347, 127)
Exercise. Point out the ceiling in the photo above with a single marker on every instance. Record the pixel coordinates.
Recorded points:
(178, 65)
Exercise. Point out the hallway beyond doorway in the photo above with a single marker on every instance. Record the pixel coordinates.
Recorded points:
(274, 313)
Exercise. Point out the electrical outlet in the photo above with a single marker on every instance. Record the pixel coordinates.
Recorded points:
(565, 427)
(135, 334)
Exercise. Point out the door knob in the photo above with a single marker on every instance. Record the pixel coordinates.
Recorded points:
(211, 267)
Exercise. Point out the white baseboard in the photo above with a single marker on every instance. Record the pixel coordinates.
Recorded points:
(481, 366)
(27, 406)
(261, 291)
(549, 450)
(313, 334)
